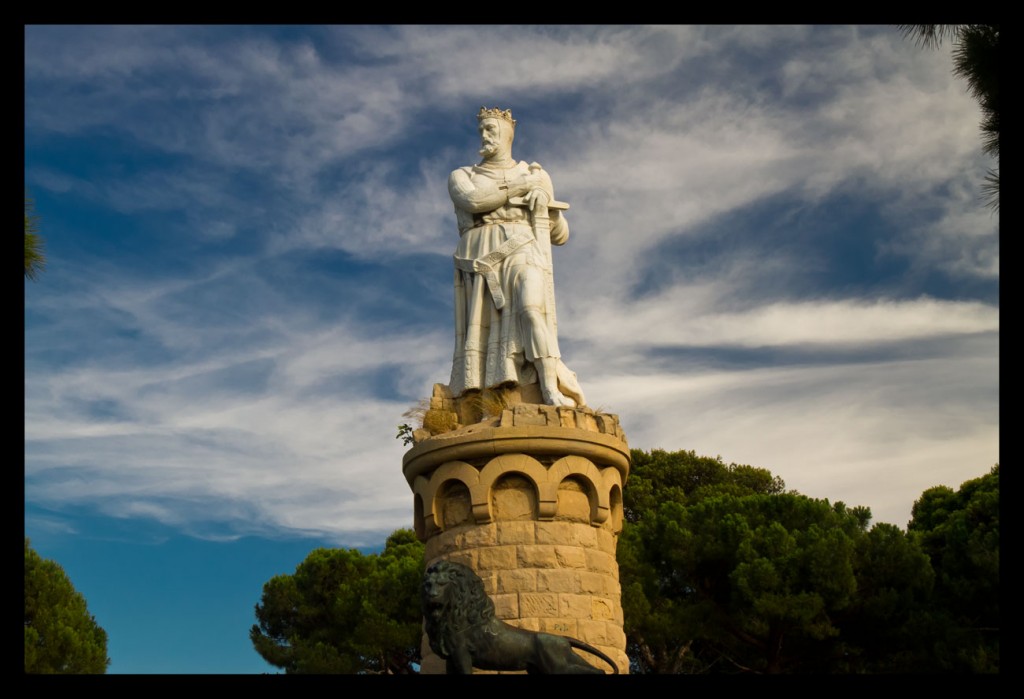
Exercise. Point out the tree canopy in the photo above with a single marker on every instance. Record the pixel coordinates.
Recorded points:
(723, 570)
(61, 636)
(959, 531)
(344, 612)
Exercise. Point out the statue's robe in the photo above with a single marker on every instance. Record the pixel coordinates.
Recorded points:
(496, 245)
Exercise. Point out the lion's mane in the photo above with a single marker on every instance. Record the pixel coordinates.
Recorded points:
(464, 605)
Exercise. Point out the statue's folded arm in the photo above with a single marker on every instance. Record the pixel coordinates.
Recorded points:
(474, 198)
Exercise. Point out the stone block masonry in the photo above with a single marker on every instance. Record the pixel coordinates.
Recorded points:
(533, 504)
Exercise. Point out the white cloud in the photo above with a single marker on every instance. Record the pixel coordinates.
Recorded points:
(209, 395)
(875, 434)
(687, 315)
(280, 431)
(371, 217)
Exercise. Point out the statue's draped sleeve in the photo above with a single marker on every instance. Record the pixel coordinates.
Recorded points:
(482, 195)
(474, 197)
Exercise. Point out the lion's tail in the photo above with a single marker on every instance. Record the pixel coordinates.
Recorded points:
(576, 643)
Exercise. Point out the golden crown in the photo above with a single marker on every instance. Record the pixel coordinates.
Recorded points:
(495, 113)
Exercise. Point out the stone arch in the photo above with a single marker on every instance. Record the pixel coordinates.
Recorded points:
(587, 474)
(575, 500)
(529, 468)
(613, 484)
(423, 519)
(418, 524)
(514, 498)
(452, 504)
(615, 500)
(451, 471)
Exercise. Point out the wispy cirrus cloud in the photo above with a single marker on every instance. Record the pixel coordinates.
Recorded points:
(776, 245)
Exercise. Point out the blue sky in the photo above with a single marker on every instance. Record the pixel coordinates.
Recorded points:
(778, 256)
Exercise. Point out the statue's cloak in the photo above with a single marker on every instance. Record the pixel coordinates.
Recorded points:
(495, 248)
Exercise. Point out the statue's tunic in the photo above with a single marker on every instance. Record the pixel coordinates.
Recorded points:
(497, 258)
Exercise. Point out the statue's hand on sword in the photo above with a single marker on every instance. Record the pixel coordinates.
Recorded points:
(536, 197)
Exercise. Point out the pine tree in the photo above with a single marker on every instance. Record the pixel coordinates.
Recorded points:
(344, 612)
(61, 636)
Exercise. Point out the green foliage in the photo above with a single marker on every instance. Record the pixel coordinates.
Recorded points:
(684, 477)
(883, 630)
(405, 434)
(959, 531)
(760, 573)
(61, 637)
(722, 570)
(343, 612)
(701, 542)
(35, 260)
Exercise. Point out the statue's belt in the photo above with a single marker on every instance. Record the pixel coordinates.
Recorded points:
(483, 220)
(485, 265)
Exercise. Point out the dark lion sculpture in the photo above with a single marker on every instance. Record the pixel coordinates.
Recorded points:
(463, 630)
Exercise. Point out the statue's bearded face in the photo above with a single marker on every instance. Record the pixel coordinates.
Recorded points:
(495, 138)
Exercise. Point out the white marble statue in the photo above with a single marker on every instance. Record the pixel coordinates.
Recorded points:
(505, 327)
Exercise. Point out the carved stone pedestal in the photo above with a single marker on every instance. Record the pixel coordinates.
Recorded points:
(531, 500)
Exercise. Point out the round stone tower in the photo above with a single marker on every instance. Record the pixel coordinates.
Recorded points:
(530, 499)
